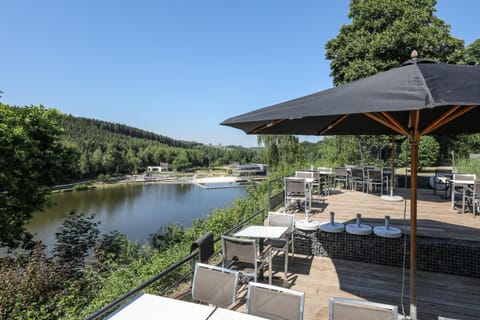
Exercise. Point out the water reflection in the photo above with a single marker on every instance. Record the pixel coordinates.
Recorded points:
(135, 210)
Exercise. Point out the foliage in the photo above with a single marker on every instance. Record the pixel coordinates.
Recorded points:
(353, 150)
(469, 166)
(383, 34)
(76, 238)
(29, 286)
(281, 151)
(111, 148)
(31, 159)
(428, 151)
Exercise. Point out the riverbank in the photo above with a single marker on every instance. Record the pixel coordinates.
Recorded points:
(198, 178)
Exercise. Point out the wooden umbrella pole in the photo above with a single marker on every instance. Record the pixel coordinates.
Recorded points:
(392, 174)
(414, 140)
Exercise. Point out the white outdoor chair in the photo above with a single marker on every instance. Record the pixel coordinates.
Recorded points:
(275, 303)
(286, 243)
(298, 190)
(341, 175)
(472, 197)
(353, 309)
(214, 285)
(458, 189)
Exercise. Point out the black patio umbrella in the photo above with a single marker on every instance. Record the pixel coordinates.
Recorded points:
(418, 98)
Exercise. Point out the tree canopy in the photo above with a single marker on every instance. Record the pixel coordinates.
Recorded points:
(383, 34)
(31, 159)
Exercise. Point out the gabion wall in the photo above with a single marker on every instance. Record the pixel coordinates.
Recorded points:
(451, 256)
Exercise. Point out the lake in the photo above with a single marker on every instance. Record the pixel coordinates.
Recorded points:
(135, 210)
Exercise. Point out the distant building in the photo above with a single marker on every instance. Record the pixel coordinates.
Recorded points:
(163, 167)
(254, 169)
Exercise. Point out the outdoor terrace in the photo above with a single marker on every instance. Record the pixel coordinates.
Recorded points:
(440, 295)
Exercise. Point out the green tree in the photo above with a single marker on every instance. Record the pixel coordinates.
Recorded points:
(281, 151)
(428, 152)
(181, 161)
(382, 35)
(32, 158)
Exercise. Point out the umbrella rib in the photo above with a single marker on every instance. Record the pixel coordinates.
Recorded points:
(333, 124)
(268, 125)
(445, 118)
(385, 122)
(394, 121)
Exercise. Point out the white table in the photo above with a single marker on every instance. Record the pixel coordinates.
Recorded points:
(459, 183)
(225, 314)
(262, 233)
(152, 307)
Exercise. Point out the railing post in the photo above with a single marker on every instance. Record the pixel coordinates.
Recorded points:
(269, 193)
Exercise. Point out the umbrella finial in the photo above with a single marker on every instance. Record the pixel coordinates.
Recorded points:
(414, 54)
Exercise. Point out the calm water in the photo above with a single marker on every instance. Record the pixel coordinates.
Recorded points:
(134, 210)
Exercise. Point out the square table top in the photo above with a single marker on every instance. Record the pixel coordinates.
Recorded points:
(152, 307)
(225, 314)
(272, 232)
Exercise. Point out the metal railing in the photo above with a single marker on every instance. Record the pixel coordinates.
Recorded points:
(188, 259)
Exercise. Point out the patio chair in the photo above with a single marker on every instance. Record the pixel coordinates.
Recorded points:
(353, 309)
(459, 189)
(298, 190)
(214, 285)
(374, 179)
(357, 178)
(325, 179)
(341, 175)
(285, 244)
(310, 174)
(472, 198)
(273, 302)
(241, 255)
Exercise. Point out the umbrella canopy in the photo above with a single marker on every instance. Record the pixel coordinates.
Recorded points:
(434, 89)
(418, 98)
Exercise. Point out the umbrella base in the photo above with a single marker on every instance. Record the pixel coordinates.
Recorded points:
(391, 198)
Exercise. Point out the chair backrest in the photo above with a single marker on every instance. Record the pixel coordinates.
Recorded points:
(273, 302)
(239, 251)
(214, 285)
(357, 173)
(464, 176)
(350, 309)
(476, 189)
(366, 168)
(324, 169)
(304, 174)
(281, 220)
(341, 172)
(295, 186)
(375, 175)
(205, 246)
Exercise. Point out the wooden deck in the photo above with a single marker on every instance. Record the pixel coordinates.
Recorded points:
(438, 295)
(435, 217)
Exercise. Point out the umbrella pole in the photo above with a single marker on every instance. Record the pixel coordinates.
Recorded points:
(392, 175)
(413, 226)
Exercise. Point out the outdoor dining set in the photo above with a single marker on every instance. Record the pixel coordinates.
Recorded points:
(458, 186)
(216, 287)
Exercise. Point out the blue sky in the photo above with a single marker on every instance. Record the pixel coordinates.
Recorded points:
(177, 68)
